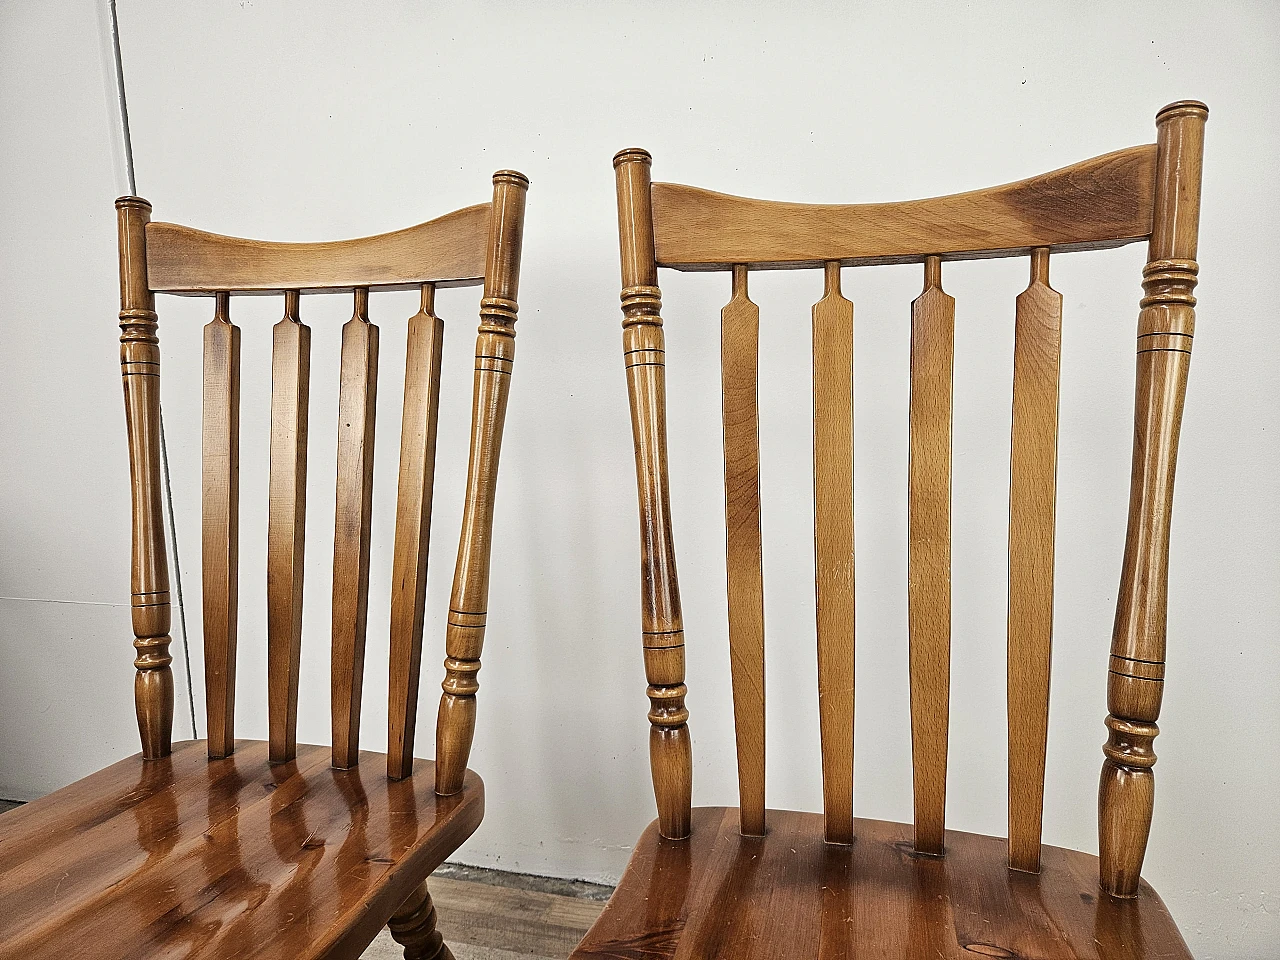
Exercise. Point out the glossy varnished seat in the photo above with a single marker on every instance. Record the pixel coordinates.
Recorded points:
(192, 857)
(791, 894)
(750, 882)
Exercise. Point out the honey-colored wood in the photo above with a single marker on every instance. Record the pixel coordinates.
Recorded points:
(933, 316)
(1032, 488)
(220, 503)
(353, 517)
(228, 858)
(447, 251)
(739, 355)
(210, 852)
(414, 927)
(789, 894)
(149, 570)
(287, 524)
(833, 548)
(423, 354)
(1166, 327)
(1103, 202)
(469, 600)
(662, 624)
(705, 883)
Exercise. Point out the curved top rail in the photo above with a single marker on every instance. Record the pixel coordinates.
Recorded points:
(449, 251)
(1103, 202)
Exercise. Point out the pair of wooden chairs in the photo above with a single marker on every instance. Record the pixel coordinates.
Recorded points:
(249, 849)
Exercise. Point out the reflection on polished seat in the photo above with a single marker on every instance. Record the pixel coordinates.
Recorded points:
(188, 856)
(720, 894)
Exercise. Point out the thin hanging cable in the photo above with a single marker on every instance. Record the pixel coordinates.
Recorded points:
(164, 447)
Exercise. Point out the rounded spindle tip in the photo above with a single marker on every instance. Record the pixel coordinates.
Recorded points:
(1183, 108)
(511, 176)
(632, 155)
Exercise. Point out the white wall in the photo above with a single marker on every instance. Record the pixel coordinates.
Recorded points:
(318, 120)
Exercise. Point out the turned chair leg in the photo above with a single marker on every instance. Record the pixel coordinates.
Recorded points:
(414, 927)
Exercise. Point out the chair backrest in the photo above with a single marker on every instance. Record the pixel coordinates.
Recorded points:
(478, 244)
(1145, 192)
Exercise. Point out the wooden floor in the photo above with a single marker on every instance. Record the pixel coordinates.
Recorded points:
(493, 915)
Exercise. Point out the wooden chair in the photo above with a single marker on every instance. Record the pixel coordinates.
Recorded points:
(711, 883)
(233, 848)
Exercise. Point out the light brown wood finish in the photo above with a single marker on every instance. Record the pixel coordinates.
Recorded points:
(414, 927)
(1032, 488)
(789, 894)
(209, 851)
(353, 516)
(469, 600)
(1166, 326)
(149, 575)
(833, 548)
(1103, 202)
(192, 857)
(220, 504)
(287, 524)
(423, 354)
(662, 624)
(933, 317)
(712, 888)
(739, 356)
(447, 251)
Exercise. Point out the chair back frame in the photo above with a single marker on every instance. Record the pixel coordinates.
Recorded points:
(1149, 192)
(478, 244)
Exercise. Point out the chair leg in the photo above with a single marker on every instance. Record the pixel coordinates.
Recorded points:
(414, 927)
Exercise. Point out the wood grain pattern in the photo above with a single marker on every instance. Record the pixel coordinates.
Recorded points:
(789, 894)
(710, 887)
(933, 316)
(469, 599)
(1166, 328)
(149, 567)
(220, 521)
(419, 421)
(739, 354)
(353, 517)
(1032, 493)
(447, 251)
(833, 548)
(661, 619)
(229, 858)
(286, 524)
(1103, 202)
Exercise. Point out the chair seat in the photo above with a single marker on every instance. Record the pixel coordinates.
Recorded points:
(791, 895)
(191, 857)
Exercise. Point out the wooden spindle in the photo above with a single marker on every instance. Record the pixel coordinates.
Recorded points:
(286, 524)
(929, 552)
(423, 353)
(353, 515)
(220, 507)
(833, 548)
(739, 352)
(469, 600)
(1166, 326)
(644, 353)
(149, 570)
(1032, 487)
